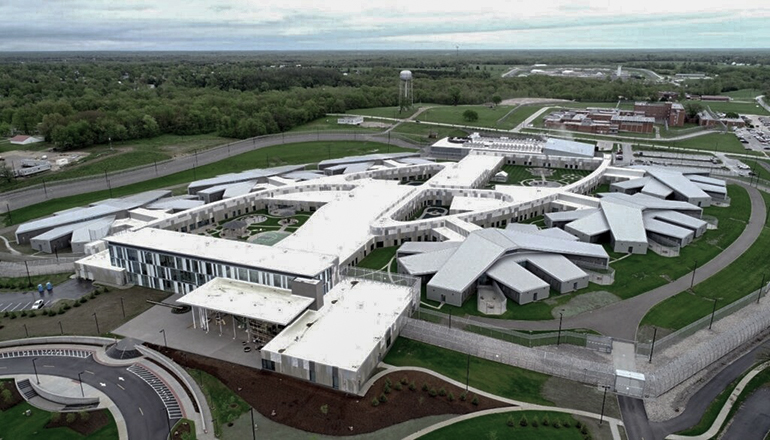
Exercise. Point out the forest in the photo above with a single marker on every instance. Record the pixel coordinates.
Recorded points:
(78, 99)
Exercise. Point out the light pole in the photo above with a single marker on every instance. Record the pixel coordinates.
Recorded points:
(761, 287)
(80, 380)
(692, 281)
(61, 329)
(97, 324)
(34, 366)
(467, 372)
(165, 343)
(558, 338)
(713, 311)
(29, 279)
(122, 308)
(604, 399)
(253, 426)
(652, 347)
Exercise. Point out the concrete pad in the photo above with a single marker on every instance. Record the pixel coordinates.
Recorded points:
(181, 335)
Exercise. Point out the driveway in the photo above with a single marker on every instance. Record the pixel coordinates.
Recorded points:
(70, 289)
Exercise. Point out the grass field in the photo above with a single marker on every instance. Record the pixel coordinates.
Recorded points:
(735, 281)
(124, 155)
(737, 107)
(308, 152)
(496, 378)
(744, 94)
(80, 320)
(454, 115)
(329, 123)
(420, 132)
(13, 425)
(378, 258)
(518, 174)
(758, 169)
(495, 426)
(717, 142)
(226, 406)
(385, 112)
(521, 113)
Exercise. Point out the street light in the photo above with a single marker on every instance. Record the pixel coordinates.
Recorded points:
(80, 380)
(122, 308)
(601, 417)
(34, 366)
(558, 338)
(165, 343)
(97, 324)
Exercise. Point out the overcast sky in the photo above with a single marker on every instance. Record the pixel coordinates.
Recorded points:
(29, 25)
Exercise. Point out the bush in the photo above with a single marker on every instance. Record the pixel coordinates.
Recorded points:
(432, 392)
(77, 304)
(475, 401)
(92, 295)
(545, 421)
(388, 382)
(556, 424)
(13, 316)
(83, 300)
(578, 424)
(584, 430)
(375, 402)
(535, 423)
(67, 306)
(464, 396)
(451, 397)
(510, 422)
(84, 415)
(60, 312)
(386, 388)
(566, 424)
(23, 313)
(442, 392)
(404, 380)
(523, 421)
(383, 398)
(398, 386)
(412, 386)
(6, 395)
(70, 418)
(325, 409)
(55, 417)
(32, 314)
(425, 386)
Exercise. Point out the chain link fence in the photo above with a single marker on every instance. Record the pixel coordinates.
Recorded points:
(556, 364)
(18, 269)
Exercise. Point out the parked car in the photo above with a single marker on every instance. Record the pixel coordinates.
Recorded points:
(38, 304)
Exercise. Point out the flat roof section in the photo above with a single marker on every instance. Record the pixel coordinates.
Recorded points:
(248, 300)
(678, 182)
(466, 172)
(477, 253)
(508, 271)
(356, 315)
(241, 253)
(254, 174)
(626, 223)
(632, 183)
(678, 219)
(365, 158)
(591, 225)
(419, 247)
(703, 179)
(69, 217)
(555, 146)
(426, 263)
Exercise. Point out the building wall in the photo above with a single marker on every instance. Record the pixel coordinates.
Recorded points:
(524, 297)
(629, 247)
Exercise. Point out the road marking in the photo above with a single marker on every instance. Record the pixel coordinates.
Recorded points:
(140, 410)
(102, 384)
(120, 378)
(89, 372)
(121, 387)
(26, 305)
(9, 305)
(14, 308)
(48, 366)
(3, 368)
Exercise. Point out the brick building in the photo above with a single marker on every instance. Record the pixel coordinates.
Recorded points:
(671, 113)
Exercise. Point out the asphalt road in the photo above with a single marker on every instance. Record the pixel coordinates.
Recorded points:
(18, 301)
(620, 320)
(142, 409)
(635, 419)
(38, 194)
(752, 421)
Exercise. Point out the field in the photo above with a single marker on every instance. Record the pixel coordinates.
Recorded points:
(329, 123)
(379, 258)
(737, 107)
(499, 426)
(744, 94)
(124, 155)
(488, 117)
(308, 152)
(420, 132)
(385, 112)
(496, 378)
(735, 281)
(717, 142)
(518, 174)
(521, 113)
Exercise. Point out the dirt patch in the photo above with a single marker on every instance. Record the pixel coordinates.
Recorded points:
(372, 124)
(9, 400)
(84, 423)
(586, 302)
(312, 408)
(181, 430)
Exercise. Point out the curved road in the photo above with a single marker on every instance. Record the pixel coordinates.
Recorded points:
(38, 194)
(621, 319)
(140, 406)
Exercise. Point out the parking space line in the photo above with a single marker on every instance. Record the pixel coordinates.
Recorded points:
(14, 308)
(9, 305)
(27, 305)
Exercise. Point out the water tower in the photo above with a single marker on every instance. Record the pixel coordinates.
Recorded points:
(405, 93)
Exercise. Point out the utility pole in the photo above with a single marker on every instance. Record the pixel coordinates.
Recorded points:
(34, 366)
(97, 324)
(467, 372)
(652, 347)
(558, 338)
(165, 342)
(713, 311)
(604, 399)
(761, 286)
(29, 279)
(692, 281)
(8, 210)
(80, 379)
(122, 308)
(108, 183)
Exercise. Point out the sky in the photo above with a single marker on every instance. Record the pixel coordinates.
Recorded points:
(84, 25)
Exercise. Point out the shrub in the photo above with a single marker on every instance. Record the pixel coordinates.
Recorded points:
(105, 289)
(83, 300)
(556, 424)
(566, 424)
(388, 382)
(55, 417)
(578, 424)
(77, 304)
(7, 314)
(451, 397)
(67, 306)
(404, 380)
(84, 415)
(432, 392)
(6, 395)
(375, 402)
(23, 313)
(13, 316)
(587, 437)
(92, 295)
(510, 422)
(584, 430)
(398, 386)
(523, 421)
(412, 386)
(386, 388)
(425, 386)
(61, 312)
(383, 398)
(464, 396)
(535, 423)
(325, 409)
(70, 418)
(475, 401)
(442, 392)
(32, 314)
(545, 421)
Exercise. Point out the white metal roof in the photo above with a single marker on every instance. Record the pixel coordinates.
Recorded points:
(703, 179)
(678, 182)
(74, 216)
(561, 234)
(249, 300)
(305, 263)
(679, 219)
(345, 331)
(561, 216)
(464, 204)
(467, 172)
(365, 158)
(426, 263)
(557, 266)
(625, 222)
(656, 189)
(591, 225)
(556, 147)
(100, 223)
(242, 176)
(632, 183)
(664, 228)
(419, 247)
(508, 271)
(717, 189)
(477, 253)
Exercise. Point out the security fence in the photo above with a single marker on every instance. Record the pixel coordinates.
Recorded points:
(485, 347)
(526, 339)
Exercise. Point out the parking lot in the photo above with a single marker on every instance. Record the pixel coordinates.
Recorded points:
(18, 301)
(757, 138)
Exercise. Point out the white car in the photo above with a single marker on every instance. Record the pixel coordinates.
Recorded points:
(38, 304)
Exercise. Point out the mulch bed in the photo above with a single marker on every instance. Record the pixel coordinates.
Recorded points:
(317, 409)
(181, 430)
(96, 420)
(15, 396)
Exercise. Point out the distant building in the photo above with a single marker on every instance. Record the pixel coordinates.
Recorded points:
(721, 98)
(600, 121)
(350, 120)
(668, 96)
(710, 119)
(23, 139)
(671, 113)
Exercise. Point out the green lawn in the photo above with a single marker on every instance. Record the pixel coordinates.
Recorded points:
(737, 107)
(521, 113)
(758, 169)
(735, 281)
(124, 155)
(226, 406)
(712, 411)
(14, 425)
(495, 426)
(519, 173)
(191, 434)
(21, 284)
(496, 378)
(307, 152)
(744, 94)
(378, 258)
(385, 112)
(420, 132)
(718, 142)
(488, 117)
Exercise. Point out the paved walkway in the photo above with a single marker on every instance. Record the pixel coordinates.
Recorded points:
(516, 406)
(621, 319)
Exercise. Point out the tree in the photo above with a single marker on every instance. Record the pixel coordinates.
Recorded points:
(470, 115)
(497, 99)
(6, 174)
(692, 109)
(732, 115)
(455, 95)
